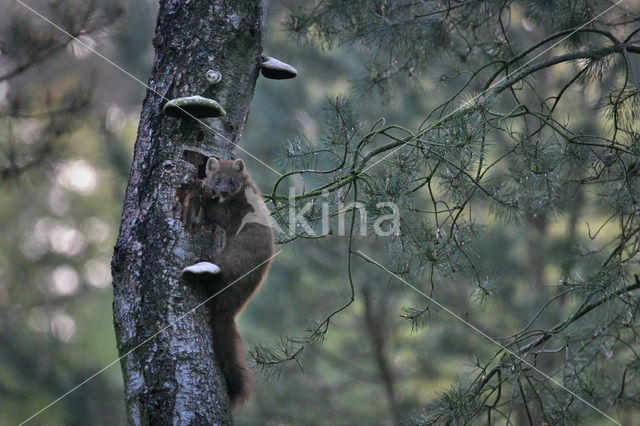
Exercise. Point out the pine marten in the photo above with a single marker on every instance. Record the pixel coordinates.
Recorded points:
(233, 202)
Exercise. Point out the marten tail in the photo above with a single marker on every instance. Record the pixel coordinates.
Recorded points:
(229, 350)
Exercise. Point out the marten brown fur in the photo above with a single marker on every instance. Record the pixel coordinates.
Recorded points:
(229, 195)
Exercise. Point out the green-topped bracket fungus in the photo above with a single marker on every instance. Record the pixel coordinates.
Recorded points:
(193, 107)
(276, 70)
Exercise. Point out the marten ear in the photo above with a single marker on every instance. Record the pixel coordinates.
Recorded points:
(238, 165)
(212, 166)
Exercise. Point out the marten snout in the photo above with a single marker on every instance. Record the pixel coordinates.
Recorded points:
(225, 188)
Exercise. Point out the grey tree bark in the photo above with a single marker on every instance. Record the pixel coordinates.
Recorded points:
(168, 364)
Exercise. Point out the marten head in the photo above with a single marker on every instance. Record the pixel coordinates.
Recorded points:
(224, 178)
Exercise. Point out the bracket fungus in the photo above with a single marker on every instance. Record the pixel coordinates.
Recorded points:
(202, 268)
(193, 106)
(276, 70)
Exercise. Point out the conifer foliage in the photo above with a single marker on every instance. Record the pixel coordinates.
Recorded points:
(537, 131)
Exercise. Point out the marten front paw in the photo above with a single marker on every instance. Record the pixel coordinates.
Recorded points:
(202, 268)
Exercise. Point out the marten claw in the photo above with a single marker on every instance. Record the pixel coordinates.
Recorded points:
(202, 268)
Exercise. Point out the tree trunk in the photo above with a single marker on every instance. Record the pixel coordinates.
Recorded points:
(168, 364)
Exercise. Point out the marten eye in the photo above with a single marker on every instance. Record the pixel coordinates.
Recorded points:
(217, 181)
(232, 182)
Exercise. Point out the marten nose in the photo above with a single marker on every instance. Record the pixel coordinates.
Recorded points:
(224, 194)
